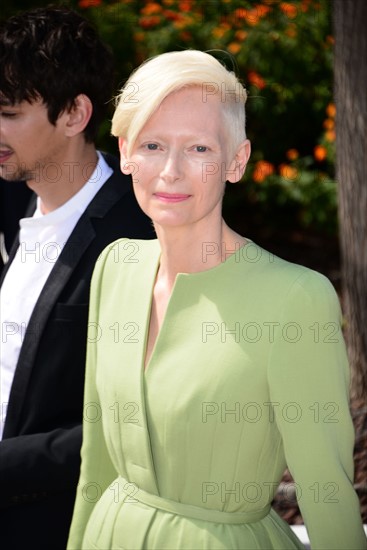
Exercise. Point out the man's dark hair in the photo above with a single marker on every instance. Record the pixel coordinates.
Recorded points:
(55, 54)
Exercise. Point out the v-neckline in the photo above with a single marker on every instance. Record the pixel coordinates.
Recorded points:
(145, 367)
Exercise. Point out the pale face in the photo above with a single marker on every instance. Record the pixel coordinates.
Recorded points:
(180, 161)
(30, 146)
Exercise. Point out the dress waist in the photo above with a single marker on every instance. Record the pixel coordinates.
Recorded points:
(134, 494)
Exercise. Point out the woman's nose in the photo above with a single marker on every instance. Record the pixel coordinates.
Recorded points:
(171, 170)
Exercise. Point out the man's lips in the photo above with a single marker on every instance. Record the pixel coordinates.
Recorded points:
(5, 155)
(172, 197)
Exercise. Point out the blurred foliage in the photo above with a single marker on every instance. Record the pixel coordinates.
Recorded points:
(282, 52)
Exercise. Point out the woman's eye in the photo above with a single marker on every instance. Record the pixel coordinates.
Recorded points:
(152, 146)
(201, 148)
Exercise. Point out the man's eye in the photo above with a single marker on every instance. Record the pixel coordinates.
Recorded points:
(8, 114)
(201, 148)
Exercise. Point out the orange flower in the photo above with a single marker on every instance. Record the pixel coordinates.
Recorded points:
(291, 30)
(331, 110)
(262, 170)
(292, 154)
(220, 31)
(319, 153)
(89, 3)
(234, 47)
(184, 21)
(172, 15)
(330, 40)
(241, 35)
(305, 5)
(186, 36)
(290, 10)
(151, 8)
(185, 5)
(240, 13)
(255, 79)
(139, 36)
(250, 16)
(328, 124)
(262, 10)
(147, 22)
(288, 172)
(330, 135)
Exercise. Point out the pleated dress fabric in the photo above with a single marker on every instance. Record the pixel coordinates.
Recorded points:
(248, 375)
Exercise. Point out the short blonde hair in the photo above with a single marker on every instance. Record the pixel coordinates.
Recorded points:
(159, 76)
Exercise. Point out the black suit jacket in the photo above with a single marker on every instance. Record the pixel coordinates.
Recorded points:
(40, 452)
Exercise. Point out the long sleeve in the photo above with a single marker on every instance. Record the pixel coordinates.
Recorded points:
(97, 471)
(309, 383)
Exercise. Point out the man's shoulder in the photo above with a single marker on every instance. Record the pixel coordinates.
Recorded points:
(117, 176)
(114, 211)
(112, 161)
(118, 186)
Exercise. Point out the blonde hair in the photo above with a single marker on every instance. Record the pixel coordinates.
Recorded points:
(159, 76)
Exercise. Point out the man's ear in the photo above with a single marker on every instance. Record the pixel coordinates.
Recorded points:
(125, 165)
(238, 165)
(78, 116)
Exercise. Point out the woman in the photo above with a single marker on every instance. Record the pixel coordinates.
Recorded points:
(206, 375)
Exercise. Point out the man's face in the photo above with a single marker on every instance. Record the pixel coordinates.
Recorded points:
(31, 148)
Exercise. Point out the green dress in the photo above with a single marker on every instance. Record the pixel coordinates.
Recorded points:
(248, 375)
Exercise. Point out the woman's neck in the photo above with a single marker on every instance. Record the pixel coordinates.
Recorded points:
(184, 252)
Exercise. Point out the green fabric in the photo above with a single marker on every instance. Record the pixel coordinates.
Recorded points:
(248, 374)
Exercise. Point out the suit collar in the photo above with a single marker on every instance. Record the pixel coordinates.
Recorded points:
(115, 187)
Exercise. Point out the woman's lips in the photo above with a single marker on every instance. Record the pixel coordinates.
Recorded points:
(172, 197)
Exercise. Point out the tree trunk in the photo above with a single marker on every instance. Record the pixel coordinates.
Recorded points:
(350, 81)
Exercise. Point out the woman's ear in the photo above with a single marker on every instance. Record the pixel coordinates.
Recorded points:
(125, 165)
(238, 165)
(78, 116)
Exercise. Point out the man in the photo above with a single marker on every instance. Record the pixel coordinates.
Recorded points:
(55, 82)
